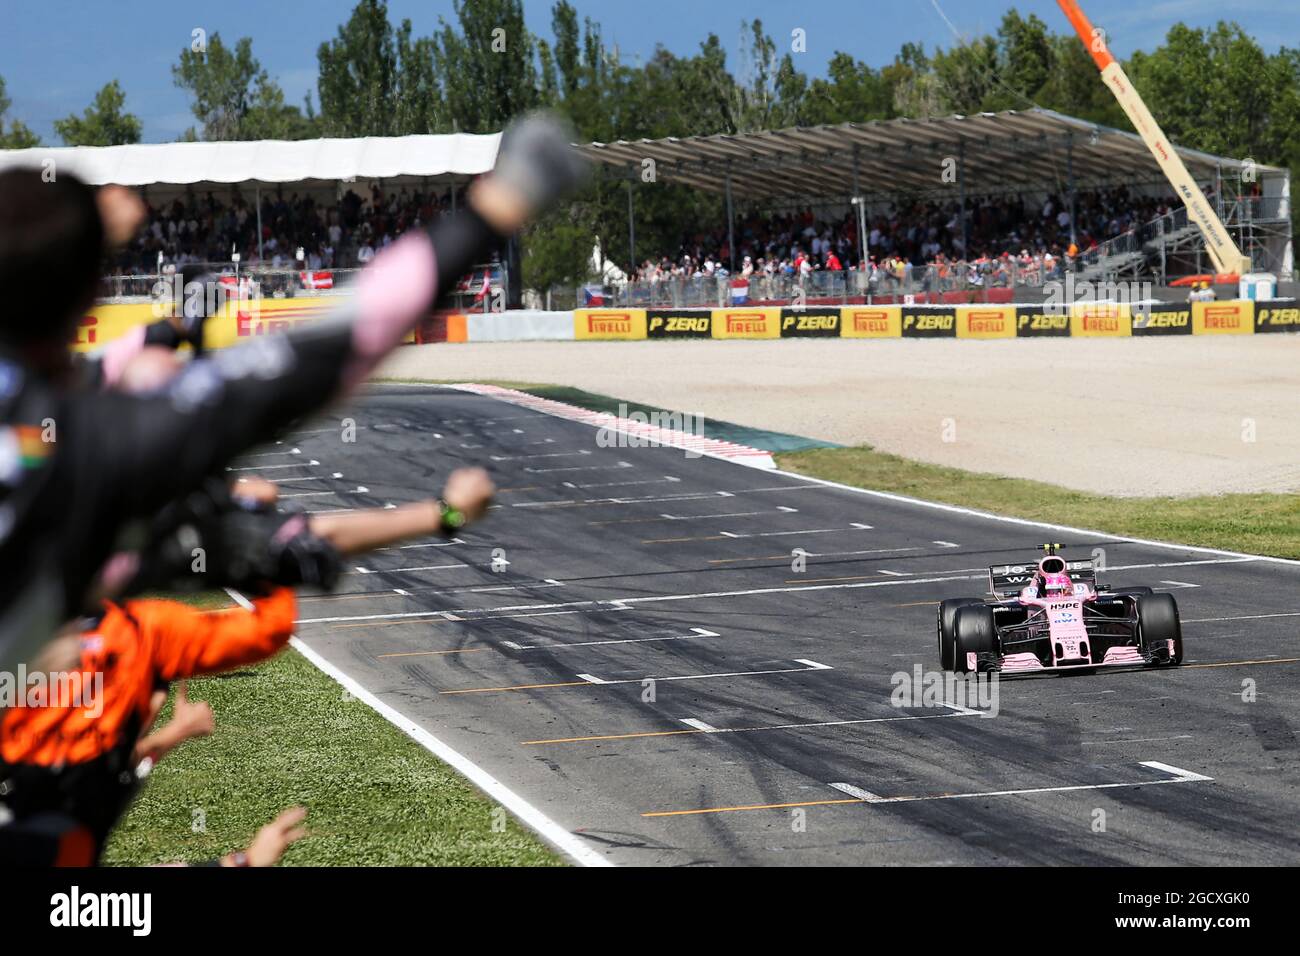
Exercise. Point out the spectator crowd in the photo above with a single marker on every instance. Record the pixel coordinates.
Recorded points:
(200, 228)
(1005, 236)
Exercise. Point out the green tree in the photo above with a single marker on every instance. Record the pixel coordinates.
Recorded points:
(913, 83)
(14, 135)
(852, 92)
(966, 75)
(487, 68)
(103, 123)
(358, 81)
(233, 97)
(1024, 61)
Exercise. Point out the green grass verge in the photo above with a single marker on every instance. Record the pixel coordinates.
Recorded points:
(1255, 523)
(288, 734)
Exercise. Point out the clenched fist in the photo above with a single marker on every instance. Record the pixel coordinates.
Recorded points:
(469, 491)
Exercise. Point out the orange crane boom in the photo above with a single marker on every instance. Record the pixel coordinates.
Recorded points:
(1227, 257)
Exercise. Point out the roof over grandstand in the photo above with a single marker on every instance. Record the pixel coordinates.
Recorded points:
(1009, 151)
(270, 161)
(1020, 151)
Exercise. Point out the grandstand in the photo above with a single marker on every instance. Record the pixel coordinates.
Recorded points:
(336, 200)
(983, 181)
(862, 171)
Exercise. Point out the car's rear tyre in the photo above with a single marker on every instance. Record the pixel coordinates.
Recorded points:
(1140, 591)
(973, 633)
(1158, 626)
(947, 619)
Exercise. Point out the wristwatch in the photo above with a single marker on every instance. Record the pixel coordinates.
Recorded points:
(450, 519)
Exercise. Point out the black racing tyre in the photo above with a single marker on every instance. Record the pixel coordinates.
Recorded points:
(1140, 590)
(946, 619)
(1158, 624)
(973, 632)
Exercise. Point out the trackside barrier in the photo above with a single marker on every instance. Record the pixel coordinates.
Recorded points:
(237, 321)
(993, 321)
(243, 320)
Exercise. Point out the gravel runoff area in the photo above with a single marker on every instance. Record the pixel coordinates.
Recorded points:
(1141, 417)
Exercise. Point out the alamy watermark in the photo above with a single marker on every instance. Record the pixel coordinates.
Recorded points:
(638, 429)
(922, 688)
(78, 690)
(1061, 294)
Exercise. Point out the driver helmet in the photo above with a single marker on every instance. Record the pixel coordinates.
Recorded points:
(1055, 579)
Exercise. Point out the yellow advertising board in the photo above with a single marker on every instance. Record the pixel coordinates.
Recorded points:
(871, 322)
(986, 322)
(1100, 319)
(1223, 318)
(609, 324)
(236, 322)
(753, 323)
(104, 323)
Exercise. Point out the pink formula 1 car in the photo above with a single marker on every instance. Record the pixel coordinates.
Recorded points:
(1054, 616)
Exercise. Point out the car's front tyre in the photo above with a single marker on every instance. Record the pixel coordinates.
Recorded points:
(947, 619)
(1160, 632)
(973, 633)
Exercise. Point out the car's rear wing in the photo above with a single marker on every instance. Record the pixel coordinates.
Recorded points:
(1007, 580)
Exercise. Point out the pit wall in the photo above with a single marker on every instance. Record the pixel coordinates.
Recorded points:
(239, 322)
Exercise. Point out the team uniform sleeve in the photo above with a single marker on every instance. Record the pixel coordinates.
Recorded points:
(147, 450)
(190, 643)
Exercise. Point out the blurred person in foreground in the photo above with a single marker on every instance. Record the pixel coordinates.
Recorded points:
(70, 768)
(77, 467)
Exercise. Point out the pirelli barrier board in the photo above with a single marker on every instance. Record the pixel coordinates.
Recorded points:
(1036, 321)
(609, 324)
(811, 322)
(1277, 315)
(929, 322)
(243, 320)
(237, 321)
(679, 324)
(1162, 320)
(747, 323)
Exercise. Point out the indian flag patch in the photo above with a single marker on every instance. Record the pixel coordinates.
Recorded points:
(32, 446)
(22, 446)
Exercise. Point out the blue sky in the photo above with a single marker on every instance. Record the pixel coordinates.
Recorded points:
(55, 54)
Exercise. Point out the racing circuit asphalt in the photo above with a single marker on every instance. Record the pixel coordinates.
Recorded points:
(768, 735)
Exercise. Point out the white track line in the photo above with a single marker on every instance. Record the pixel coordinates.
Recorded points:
(957, 712)
(782, 509)
(358, 490)
(853, 526)
(282, 481)
(270, 454)
(550, 471)
(1179, 776)
(691, 496)
(556, 454)
(1240, 617)
(427, 567)
(808, 666)
(866, 796)
(296, 464)
(699, 725)
(436, 544)
(699, 632)
(550, 831)
(617, 484)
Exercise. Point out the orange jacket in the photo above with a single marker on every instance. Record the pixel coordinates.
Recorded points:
(137, 648)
